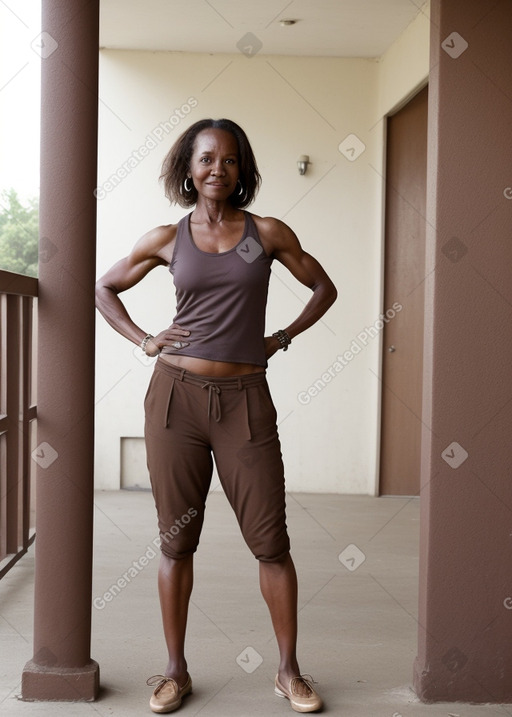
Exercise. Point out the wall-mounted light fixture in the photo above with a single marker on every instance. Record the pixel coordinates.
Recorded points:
(302, 163)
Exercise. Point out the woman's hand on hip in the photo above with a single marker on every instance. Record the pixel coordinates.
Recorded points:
(175, 336)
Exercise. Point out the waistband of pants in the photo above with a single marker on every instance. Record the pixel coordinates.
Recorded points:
(237, 383)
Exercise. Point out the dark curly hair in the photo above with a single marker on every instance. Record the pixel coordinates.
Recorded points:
(176, 165)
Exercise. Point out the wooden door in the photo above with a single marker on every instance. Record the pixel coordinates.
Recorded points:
(402, 361)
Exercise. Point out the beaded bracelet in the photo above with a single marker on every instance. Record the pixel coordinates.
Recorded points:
(145, 342)
(283, 339)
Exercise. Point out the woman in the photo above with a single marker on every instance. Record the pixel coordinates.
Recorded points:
(208, 393)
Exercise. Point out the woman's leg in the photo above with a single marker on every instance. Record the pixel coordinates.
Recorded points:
(180, 465)
(278, 582)
(250, 467)
(175, 580)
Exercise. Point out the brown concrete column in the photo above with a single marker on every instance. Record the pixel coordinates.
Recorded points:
(465, 615)
(61, 668)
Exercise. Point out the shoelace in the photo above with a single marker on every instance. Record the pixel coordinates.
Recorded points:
(160, 680)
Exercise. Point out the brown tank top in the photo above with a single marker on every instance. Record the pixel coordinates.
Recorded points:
(221, 298)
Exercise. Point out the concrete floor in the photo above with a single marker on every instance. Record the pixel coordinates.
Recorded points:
(357, 563)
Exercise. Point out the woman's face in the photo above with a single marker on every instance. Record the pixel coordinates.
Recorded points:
(214, 164)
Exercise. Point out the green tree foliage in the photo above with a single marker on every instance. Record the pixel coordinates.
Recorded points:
(19, 232)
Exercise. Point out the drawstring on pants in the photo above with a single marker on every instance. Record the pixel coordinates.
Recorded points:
(213, 398)
(215, 388)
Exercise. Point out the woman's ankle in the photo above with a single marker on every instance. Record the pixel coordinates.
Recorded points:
(287, 671)
(178, 670)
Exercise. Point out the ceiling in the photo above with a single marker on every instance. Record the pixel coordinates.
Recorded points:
(333, 28)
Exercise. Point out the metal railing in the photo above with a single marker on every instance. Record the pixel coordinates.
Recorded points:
(18, 412)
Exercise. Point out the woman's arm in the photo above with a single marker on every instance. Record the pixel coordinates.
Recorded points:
(153, 249)
(282, 242)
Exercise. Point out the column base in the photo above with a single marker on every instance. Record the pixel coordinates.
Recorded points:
(65, 684)
(422, 684)
(446, 681)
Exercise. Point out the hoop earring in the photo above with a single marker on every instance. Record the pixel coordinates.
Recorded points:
(187, 189)
(241, 190)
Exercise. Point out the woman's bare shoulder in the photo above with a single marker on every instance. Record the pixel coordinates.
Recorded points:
(157, 242)
(273, 232)
(267, 223)
(160, 236)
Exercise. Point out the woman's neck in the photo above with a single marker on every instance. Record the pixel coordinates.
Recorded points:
(209, 211)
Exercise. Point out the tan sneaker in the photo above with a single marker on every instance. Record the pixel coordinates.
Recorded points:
(168, 694)
(308, 702)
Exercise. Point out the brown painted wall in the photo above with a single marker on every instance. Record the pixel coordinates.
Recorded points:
(465, 620)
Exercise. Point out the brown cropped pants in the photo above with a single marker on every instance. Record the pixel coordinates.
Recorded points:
(189, 418)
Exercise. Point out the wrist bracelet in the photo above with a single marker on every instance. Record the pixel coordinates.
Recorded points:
(145, 341)
(283, 339)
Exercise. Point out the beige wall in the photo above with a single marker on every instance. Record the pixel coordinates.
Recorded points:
(288, 106)
(403, 70)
